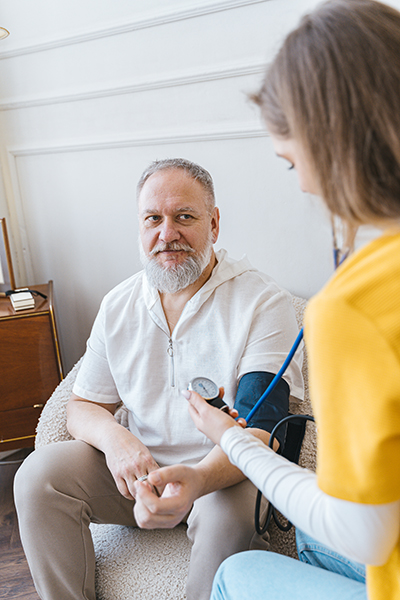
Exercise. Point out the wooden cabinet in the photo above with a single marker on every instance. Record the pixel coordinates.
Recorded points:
(30, 367)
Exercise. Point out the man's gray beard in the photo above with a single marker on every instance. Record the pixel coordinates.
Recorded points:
(170, 280)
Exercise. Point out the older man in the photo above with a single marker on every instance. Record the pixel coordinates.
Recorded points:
(191, 312)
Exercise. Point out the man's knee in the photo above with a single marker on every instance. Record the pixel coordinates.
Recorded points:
(48, 469)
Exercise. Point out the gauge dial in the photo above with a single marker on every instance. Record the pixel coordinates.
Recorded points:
(205, 387)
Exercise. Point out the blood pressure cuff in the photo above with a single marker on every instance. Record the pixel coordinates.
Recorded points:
(276, 406)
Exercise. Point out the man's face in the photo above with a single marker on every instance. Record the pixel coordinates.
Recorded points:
(175, 225)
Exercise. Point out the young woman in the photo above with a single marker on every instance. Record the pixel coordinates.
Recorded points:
(331, 102)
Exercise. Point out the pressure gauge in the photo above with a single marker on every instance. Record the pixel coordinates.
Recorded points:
(205, 387)
(209, 391)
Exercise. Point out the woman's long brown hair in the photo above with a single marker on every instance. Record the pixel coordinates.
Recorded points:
(335, 86)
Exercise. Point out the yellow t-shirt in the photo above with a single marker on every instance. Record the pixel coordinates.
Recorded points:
(352, 332)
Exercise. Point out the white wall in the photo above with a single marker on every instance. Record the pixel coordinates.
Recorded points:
(92, 91)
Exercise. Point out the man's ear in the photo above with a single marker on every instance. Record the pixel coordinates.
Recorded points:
(215, 224)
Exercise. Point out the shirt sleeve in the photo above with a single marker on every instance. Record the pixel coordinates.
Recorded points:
(271, 336)
(94, 381)
(363, 532)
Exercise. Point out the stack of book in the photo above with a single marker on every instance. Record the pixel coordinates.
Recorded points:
(22, 301)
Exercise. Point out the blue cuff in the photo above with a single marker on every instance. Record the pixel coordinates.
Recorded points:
(273, 409)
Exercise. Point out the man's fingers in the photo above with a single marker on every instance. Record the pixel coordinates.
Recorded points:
(152, 511)
(152, 487)
(124, 489)
(148, 494)
(149, 510)
(165, 475)
(127, 486)
(154, 504)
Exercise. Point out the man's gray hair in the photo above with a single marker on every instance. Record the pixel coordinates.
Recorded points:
(192, 169)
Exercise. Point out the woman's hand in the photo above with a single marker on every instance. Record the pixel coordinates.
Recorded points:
(209, 420)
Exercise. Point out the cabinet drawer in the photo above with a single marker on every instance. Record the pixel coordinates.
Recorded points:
(29, 370)
(30, 366)
(20, 423)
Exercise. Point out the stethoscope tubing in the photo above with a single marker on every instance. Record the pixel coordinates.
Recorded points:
(277, 377)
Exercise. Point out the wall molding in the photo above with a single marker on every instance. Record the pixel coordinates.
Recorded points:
(162, 18)
(145, 140)
(23, 253)
(145, 85)
(13, 154)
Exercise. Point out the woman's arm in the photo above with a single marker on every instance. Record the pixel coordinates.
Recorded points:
(363, 532)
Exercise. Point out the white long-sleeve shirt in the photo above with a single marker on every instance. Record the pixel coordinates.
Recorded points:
(363, 532)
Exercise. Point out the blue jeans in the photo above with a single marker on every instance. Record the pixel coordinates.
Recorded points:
(320, 573)
(313, 553)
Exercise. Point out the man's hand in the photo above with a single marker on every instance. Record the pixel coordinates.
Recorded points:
(128, 459)
(209, 420)
(181, 486)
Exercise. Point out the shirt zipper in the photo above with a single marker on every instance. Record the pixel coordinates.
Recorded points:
(170, 351)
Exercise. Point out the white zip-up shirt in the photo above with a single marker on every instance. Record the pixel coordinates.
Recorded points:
(238, 322)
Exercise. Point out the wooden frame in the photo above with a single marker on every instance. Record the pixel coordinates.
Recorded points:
(7, 281)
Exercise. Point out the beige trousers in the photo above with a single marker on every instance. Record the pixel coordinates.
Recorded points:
(61, 488)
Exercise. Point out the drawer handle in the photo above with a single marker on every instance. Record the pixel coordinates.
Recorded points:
(38, 405)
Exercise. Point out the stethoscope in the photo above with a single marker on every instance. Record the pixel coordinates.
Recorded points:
(210, 391)
(338, 257)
